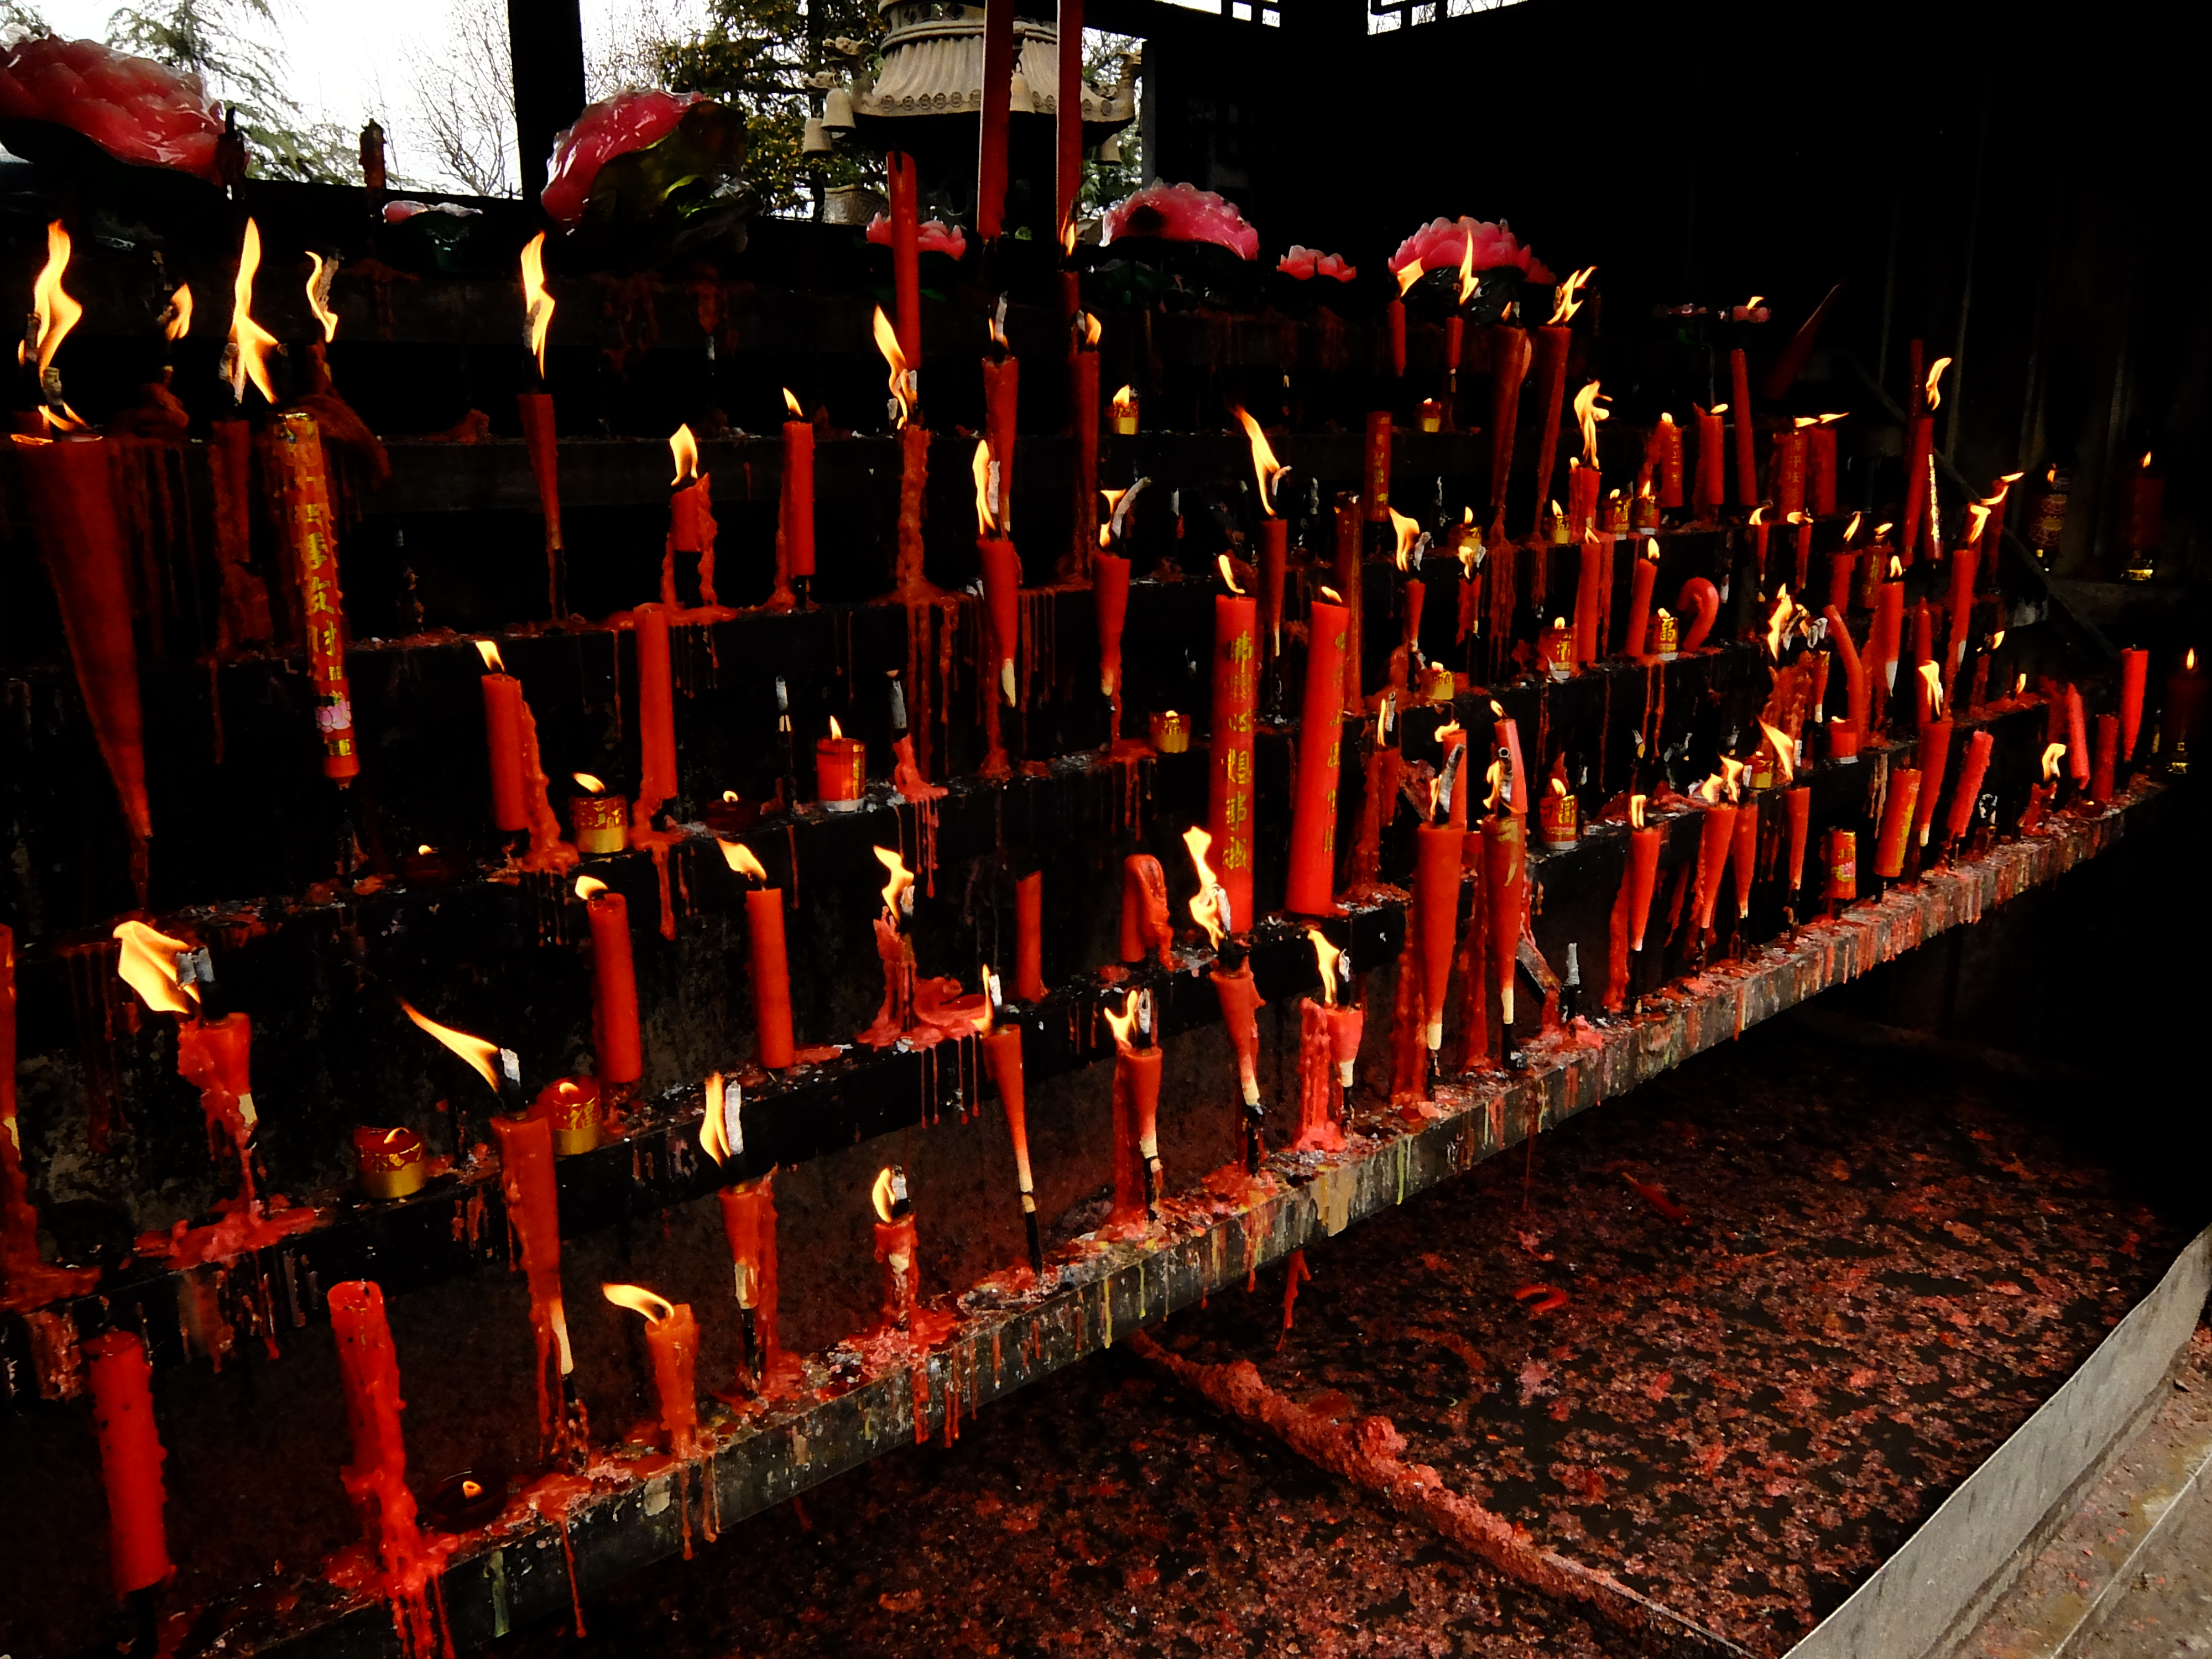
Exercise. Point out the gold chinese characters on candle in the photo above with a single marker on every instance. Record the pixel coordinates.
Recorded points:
(570, 1107)
(1171, 732)
(391, 1163)
(599, 818)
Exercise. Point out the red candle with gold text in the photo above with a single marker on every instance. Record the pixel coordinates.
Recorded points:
(130, 1458)
(1821, 467)
(749, 1225)
(1668, 472)
(1843, 865)
(614, 984)
(1228, 794)
(1787, 464)
(312, 533)
(1312, 887)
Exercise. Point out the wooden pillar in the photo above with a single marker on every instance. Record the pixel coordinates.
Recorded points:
(547, 40)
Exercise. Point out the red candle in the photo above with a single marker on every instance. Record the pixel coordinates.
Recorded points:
(1842, 862)
(1436, 917)
(749, 1224)
(1552, 341)
(1067, 123)
(1666, 442)
(1821, 468)
(533, 1211)
(131, 1457)
(795, 506)
(1855, 678)
(1029, 934)
(1145, 928)
(898, 1247)
(1747, 473)
(614, 984)
(1083, 422)
(1505, 734)
(1642, 872)
(656, 716)
(1787, 463)
(1376, 496)
(1558, 814)
(1897, 814)
(1935, 757)
(1918, 473)
(1229, 814)
(1393, 320)
(1275, 558)
(1973, 766)
(2145, 508)
(840, 766)
(214, 1056)
(543, 447)
(1744, 854)
(1840, 566)
(672, 1343)
(1716, 836)
(1136, 1131)
(1318, 1089)
(1886, 641)
(1509, 366)
(2183, 691)
(376, 1480)
(2077, 738)
(503, 706)
(1001, 399)
(311, 532)
(1798, 804)
(998, 115)
(1312, 886)
(1241, 1003)
(2108, 746)
(1002, 598)
(2134, 669)
(1110, 593)
(1640, 580)
(899, 184)
(1701, 598)
(771, 974)
(1589, 619)
(1708, 490)
(1504, 876)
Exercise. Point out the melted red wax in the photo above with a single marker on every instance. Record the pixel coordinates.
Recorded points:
(548, 852)
(26, 1281)
(1136, 1104)
(1656, 1197)
(1145, 929)
(1540, 1299)
(1319, 1097)
(907, 779)
(526, 1179)
(1241, 1003)
(1409, 1053)
(215, 1055)
(896, 1015)
(1297, 1273)
(242, 1224)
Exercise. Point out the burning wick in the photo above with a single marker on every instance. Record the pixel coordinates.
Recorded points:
(537, 303)
(246, 353)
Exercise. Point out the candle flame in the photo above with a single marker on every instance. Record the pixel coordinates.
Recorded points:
(1785, 751)
(53, 312)
(2019, 686)
(537, 303)
(2052, 755)
(1558, 784)
(1997, 639)
(1125, 400)
(835, 730)
(1335, 598)
(986, 522)
(1710, 790)
(684, 451)
(901, 878)
(589, 888)
(1408, 532)
(1717, 408)
(1091, 330)
(1325, 956)
(740, 856)
(1495, 775)
(792, 403)
(1265, 467)
(1586, 415)
(1803, 421)
(1977, 516)
(888, 1193)
(715, 1123)
(489, 652)
(1829, 420)
(1636, 810)
(250, 342)
(1758, 514)
(1778, 623)
(1931, 676)
(320, 273)
(2189, 665)
(1412, 272)
(639, 1300)
(1935, 374)
(1228, 574)
(479, 1053)
(1896, 568)
(1123, 1023)
(177, 317)
(588, 783)
(1851, 528)
(149, 966)
(1209, 907)
(1468, 285)
(1568, 304)
(902, 372)
(1732, 773)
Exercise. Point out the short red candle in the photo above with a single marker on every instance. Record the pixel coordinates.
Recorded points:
(1708, 490)
(1552, 342)
(1318, 1090)
(2184, 691)
(749, 1224)
(771, 974)
(1744, 853)
(2134, 669)
(1109, 594)
(2077, 738)
(897, 1247)
(1589, 585)
(1935, 757)
(503, 706)
(1241, 1003)
(2101, 772)
(1643, 878)
(1312, 886)
(796, 507)
(1136, 1118)
(614, 991)
(1559, 815)
(1843, 861)
(840, 772)
(1896, 822)
(900, 184)
(1028, 937)
(376, 1480)
(130, 1458)
(1974, 765)
(2145, 508)
(1229, 814)
(656, 715)
(671, 1342)
(1436, 917)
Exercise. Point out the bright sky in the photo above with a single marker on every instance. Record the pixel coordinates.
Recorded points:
(347, 60)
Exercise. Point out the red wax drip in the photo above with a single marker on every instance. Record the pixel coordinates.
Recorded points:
(526, 1180)
(1146, 930)
(215, 1055)
(1320, 1097)
(1241, 1003)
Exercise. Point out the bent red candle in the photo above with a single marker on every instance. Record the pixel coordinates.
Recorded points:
(543, 444)
(1028, 937)
(1312, 887)
(130, 1458)
(1896, 822)
(614, 984)
(1241, 1003)
(841, 764)
(1855, 679)
(1704, 599)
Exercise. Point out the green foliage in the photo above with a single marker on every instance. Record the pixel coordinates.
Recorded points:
(1107, 182)
(224, 40)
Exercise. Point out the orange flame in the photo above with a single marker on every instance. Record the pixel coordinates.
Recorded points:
(537, 303)
(1325, 956)
(177, 318)
(1091, 330)
(489, 652)
(1123, 1023)
(683, 450)
(1125, 400)
(1265, 467)
(149, 966)
(792, 403)
(1896, 568)
(1932, 677)
(714, 1124)
(1778, 624)
(1935, 374)
(2189, 666)
(250, 342)
(1997, 639)
(320, 276)
(479, 1053)
(1335, 598)
(1759, 514)
(639, 1300)
(884, 1194)
(1977, 516)
(1468, 285)
(1209, 907)
(1851, 529)
(53, 312)
(740, 856)
(1785, 752)
(1636, 810)
(1732, 773)
(589, 888)
(1408, 532)
(1588, 415)
(1830, 420)
(1228, 574)
(1563, 312)
(1802, 421)
(901, 878)
(835, 730)
(902, 372)
(986, 522)
(2052, 755)
(1412, 272)
(2145, 462)
(588, 783)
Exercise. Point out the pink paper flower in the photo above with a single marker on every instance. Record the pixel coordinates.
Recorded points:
(1181, 213)
(626, 122)
(931, 236)
(1307, 263)
(134, 108)
(1440, 245)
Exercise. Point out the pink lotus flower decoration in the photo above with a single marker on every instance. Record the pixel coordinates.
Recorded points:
(931, 236)
(626, 122)
(1307, 263)
(1181, 213)
(1440, 245)
(134, 108)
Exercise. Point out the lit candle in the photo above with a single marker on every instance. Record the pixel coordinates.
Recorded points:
(130, 1458)
(1708, 490)
(1328, 1048)
(597, 818)
(749, 1224)
(503, 706)
(672, 1343)
(1854, 684)
(1124, 409)
(1241, 1003)
(2185, 692)
(1642, 875)
(770, 962)
(303, 481)
(1667, 440)
(390, 1162)
(795, 500)
(897, 1246)
(1230, 790)
(1136, 1114)
(570, 1107)
(1974, 765)
(841, 783)
(1313, 818)
(1558, 814)
(1786, 464)
(614, 984)
(2145, 508)
(656, 717)
(1555, 649)
(1002, 1054)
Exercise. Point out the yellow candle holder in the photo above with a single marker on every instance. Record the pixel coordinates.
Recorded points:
(1666, 636)
(600, 822)
(1124, 410)
(1432, 415)
(1171, 732)
(1439, 683)
(389, 1163)
(570, 1107)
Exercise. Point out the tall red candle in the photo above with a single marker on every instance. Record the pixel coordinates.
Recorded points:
(1708, 490)
(614, 984)
(1897, 814)
(899, 183)
(1935, 755)
(1504, 866)
(1640, 580)
(1002, 1056)
(1241, 1003)
(533, 1211)
(503, 706)
(1974, 765)
(2135, 670)
(1743, 853)
(656, 716)
(310, 533)
(1083, 425)
(1002, 379)
(1393, 323)
(1312, 886)
(1509, 366)
(1351, 588)
(1552, 341)
(1641, 876)
(1589, 620)
(998, 115)
(376, 1480)
(795, 504)
(1716, 836)
(1229, 814)
(1028, 937)
(543, 447)
(1436, 918)
(1110, 595)
(1002, 598)
(1374, 499)
(1798, 806)
(1746, 471)
(2077, 738)
(771, 976)
(672, 1346)
(131, 1457)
